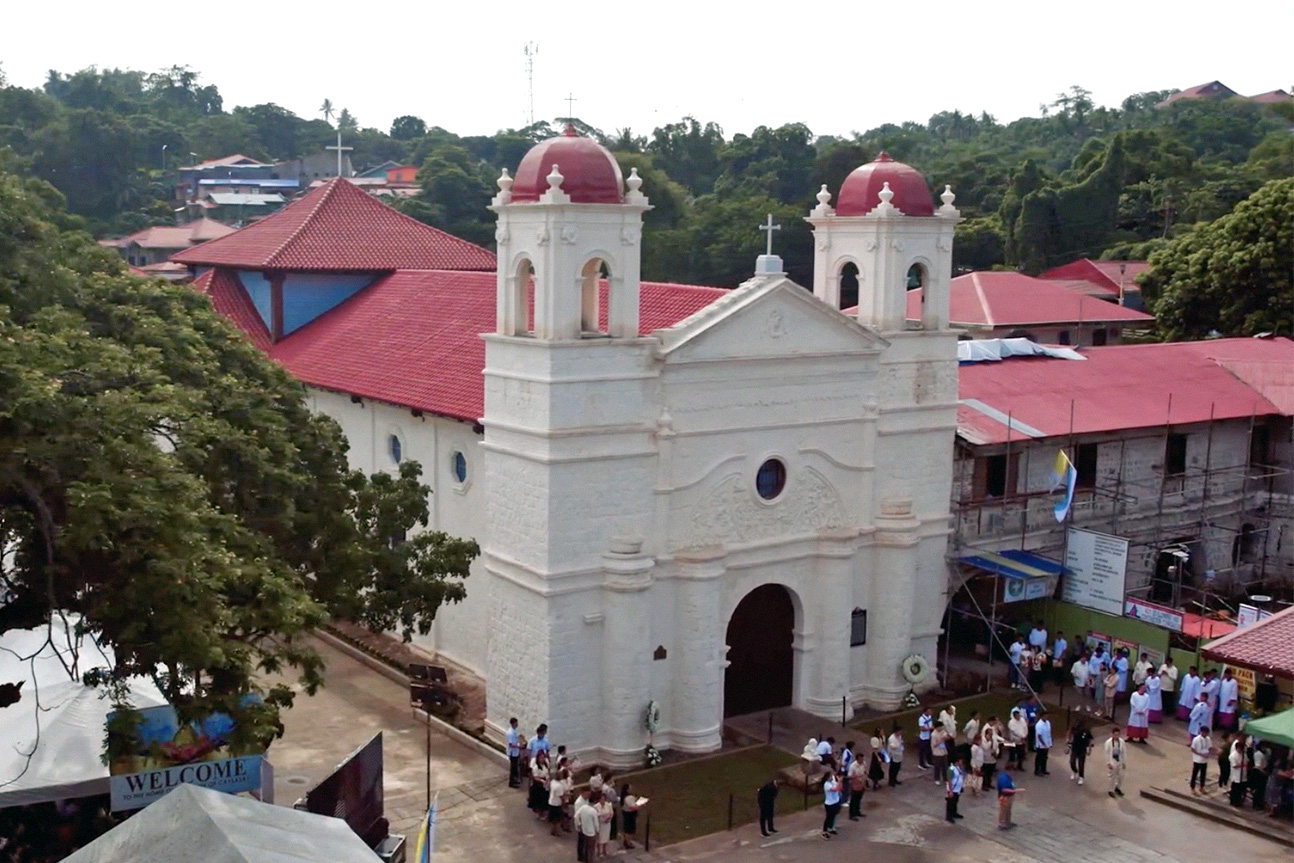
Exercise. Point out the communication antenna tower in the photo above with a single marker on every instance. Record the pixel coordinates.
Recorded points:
(531, 50)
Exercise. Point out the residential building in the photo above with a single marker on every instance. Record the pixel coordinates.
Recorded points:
(317, 166)
(1114, 281)
(990, 305)
(155, 245)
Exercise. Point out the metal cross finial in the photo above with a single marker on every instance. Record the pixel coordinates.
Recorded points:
(768, 228)
(570, 106)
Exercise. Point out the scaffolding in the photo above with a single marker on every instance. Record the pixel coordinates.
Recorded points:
(1186, 515)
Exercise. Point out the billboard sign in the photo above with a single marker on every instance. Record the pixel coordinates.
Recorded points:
(1096, 566)
(1158, 615)
(157, 753)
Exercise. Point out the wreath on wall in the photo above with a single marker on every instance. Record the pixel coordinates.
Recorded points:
(915, 669)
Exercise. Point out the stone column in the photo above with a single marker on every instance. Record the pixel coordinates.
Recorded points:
(626, 651)
(893, 593)
(835, 598)
(696, 715)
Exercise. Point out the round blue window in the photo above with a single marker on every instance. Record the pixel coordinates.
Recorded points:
(459, 463)
(396, 450)
(771, 479)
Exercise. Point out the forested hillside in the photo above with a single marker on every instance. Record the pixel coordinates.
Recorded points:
(1077, 180)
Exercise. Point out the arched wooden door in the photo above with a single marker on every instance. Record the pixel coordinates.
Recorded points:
(760, 661)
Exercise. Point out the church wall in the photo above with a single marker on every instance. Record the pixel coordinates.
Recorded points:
(460, 630)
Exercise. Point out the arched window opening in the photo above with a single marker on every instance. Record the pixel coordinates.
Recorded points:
(592, 315)
(524, 298)
(848, 281)
(917, 277)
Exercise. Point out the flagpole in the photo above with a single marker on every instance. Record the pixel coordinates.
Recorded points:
(1069, 514)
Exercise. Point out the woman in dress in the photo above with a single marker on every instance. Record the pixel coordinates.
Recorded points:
(606, 814)
(538, 799)
(629, 806)
(877, 760)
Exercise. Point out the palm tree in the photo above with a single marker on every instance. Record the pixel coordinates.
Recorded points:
(326, 110)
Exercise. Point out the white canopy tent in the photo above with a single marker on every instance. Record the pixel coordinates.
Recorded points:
(51, 741)
(198, 825)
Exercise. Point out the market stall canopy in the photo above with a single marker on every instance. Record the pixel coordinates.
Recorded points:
(1277, 728)
(51, 739)
(198, 825)
(1266, 646)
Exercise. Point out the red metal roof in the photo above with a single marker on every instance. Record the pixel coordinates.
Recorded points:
(1007, 299)
(339, 228)
(237, 159)
(413, 338)
(1267, 645)
(1124, 387)
(860, 193)
(1103, 277)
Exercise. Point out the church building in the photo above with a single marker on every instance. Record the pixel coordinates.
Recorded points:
(709, 501)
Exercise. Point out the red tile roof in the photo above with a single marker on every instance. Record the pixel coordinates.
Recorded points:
(1102, 277)
(1271, 97)
(339, 228)
(413, 338)
(1125, 387)
(1007, 299)
(1267, 645)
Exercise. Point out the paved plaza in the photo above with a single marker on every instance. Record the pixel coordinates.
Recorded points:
(482, 820)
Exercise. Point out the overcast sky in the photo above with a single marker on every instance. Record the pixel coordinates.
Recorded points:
(836, 66)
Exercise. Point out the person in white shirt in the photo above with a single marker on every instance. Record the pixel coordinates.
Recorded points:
(1228, 699)
(925, 727)
(1017, 736)
(1201, 749)
(1200, 717)
(514, 743)
(1059, 658)
(1188, 694)
(970, 733)
(587, 825)
(558, 787)
(948, 719)
(1115, 761)
(1154, 690)
(825, 749)
(1097, 665)
(977, 766)
(1239, 775)
(894, 746)
(1041, 745)
(1079, 672)
(1038, 637)
(1211, 686)
(1014, 651)
(1139, 715)
(1141, 669)
(1168, 684)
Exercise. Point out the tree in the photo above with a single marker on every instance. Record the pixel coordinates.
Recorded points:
(407, 128)
(1232, 276)
(456, 192)
(165, 481)
(346, 121)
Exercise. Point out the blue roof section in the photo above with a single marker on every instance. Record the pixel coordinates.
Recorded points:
(1013, 563)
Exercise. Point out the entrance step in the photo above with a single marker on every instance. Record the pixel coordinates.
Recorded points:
(1221, 813)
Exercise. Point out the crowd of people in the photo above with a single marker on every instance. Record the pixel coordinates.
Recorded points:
(598, 813)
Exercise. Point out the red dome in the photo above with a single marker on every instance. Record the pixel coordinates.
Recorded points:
(860, 193)
(591, 174)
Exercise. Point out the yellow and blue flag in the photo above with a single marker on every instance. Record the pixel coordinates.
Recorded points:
(426, 835)
(1063, 473)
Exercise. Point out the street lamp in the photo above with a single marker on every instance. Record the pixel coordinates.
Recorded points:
(164, 146)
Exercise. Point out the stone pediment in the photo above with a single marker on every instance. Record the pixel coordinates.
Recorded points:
(768, 316)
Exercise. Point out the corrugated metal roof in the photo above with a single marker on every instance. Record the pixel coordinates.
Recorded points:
(1127, 387)
(230, 199)
(1007, 299)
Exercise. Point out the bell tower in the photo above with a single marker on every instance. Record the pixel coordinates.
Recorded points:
(567, 221)
(885, 228)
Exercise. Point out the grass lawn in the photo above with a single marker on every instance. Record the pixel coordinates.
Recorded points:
(691, 799)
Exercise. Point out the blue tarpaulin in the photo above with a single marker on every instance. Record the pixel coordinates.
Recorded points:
(1013, 563)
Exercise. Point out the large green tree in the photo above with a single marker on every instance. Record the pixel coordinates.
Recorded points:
(1232, 276)
(163, 480)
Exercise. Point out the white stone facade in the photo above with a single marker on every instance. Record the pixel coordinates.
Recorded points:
(612, 482)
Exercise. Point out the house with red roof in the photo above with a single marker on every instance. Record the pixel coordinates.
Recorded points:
(1182, 457)
(1006, 304)
(1114, 281)
(672, 486)
(157, 244)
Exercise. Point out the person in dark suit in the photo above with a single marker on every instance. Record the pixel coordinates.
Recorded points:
(767, 796)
